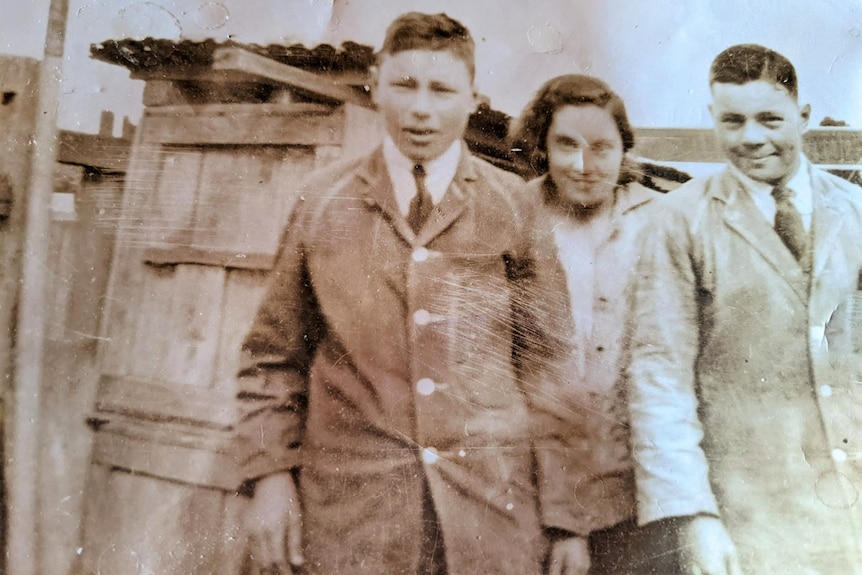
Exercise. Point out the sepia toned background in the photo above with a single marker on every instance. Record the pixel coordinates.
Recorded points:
(137, 229)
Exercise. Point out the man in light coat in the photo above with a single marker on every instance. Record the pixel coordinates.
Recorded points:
(381, 367)
(744, 376)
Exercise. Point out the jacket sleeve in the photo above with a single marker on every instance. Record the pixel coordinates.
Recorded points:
(275, 360)
(671, 469)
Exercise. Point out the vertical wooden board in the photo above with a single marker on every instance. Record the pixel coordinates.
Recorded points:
(59, 270)
(70, 379)
(243, 293)
(145, 525)
(190, 332)
(363, 131)
(134, 313)
(297, 163)
(167, 211)
(94, 250)
(240, 199)
(140, 184)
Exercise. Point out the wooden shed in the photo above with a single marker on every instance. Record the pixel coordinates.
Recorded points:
(226, 134)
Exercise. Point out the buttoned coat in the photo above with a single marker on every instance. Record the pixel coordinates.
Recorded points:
(381, 362)
(744, 384)
(586, 478)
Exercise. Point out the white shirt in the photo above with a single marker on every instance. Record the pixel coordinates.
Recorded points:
(439, 173)
(800, 184)
(577, 246)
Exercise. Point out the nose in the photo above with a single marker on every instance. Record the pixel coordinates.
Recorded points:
(421, 103)
(753, 134)
(576, 160)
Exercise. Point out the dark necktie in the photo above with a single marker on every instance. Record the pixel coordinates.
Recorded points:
(421, 204)
(788, 224)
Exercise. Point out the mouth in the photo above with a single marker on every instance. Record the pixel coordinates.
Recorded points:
(758, 157)
(419, 132)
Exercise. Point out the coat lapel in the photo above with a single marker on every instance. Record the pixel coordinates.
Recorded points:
(828, 220)
(454, 200)
(743, 217)
(378, 194)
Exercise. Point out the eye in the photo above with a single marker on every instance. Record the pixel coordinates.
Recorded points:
(772, 121)
(568, 143)
(442, 89)
(602, 147)
(732, 121)
(405, 82)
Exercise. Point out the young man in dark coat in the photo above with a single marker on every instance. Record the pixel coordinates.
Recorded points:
(381, 367)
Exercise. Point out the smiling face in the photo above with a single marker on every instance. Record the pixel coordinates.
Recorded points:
(585, 153)
(426, 98)
(759, 127)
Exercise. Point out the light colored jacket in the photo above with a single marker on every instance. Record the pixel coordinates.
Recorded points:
(586, 480)
(744, 391)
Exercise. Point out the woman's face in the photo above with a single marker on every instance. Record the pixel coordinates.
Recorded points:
(585, 152)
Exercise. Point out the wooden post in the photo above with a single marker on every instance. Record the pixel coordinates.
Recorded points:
(23, 440)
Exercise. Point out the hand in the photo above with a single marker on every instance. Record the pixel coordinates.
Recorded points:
(707, 548)
(273, 517)
(569, 556)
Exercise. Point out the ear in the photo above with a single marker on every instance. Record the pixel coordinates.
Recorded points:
(804, 116)
(711, 110)
(373, 79)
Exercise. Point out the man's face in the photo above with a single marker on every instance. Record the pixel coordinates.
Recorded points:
(585, 152)
(426, 98)
(759, 127)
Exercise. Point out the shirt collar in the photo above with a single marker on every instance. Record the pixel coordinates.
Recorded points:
(439, 172)
(800, 184)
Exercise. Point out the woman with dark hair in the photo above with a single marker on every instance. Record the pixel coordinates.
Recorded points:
(575, 135)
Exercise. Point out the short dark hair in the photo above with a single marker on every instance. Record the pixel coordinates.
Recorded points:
(418, 31)
(746, 63)
(531, 131)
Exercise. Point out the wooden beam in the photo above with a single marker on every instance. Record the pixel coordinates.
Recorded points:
(220, 124)
(199, 457)
(165, 402)
(97, 151)
(827, 146)
(239, 60)
(188, 255)
(23, 455)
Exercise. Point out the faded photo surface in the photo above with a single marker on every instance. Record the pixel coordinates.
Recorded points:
(495, 287)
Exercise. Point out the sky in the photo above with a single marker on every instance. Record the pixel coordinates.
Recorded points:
(654, 54)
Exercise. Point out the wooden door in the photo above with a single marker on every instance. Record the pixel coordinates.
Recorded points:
(208, 192)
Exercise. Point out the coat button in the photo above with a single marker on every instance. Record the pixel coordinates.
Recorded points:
(420, 254)
(421, 317)
(825, 391)
(429, 455)
(839, 455)
(426, 386)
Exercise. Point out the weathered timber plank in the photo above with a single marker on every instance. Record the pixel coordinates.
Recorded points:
(184, 454)
(190, 326)
(165, 401)
(243, 194)
(237, 59)
(98, 151)
(157, 526)
(243, 293)
(226, 124)
(208, 257)
(830, 146)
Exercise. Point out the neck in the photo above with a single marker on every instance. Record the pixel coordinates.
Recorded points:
(577, 211)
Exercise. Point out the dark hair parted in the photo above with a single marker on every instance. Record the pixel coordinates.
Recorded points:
(418, 31)
(746, 63)
(531, 131)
